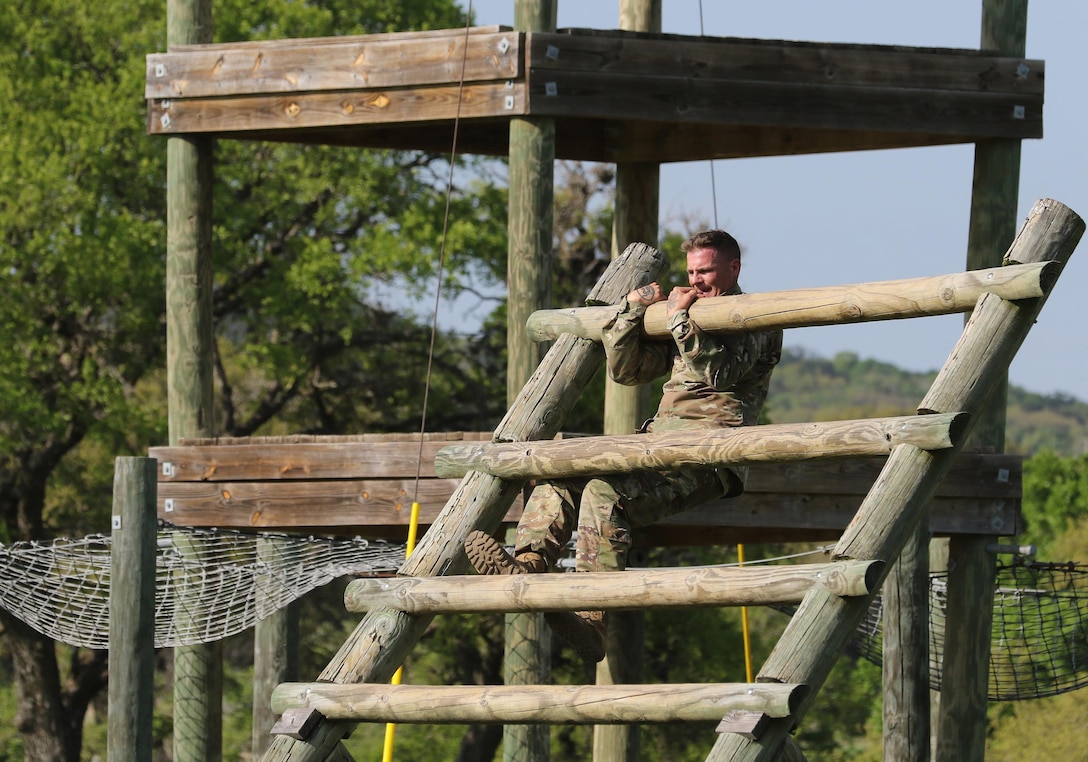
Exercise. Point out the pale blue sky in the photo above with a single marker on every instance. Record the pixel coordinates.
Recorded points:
(881, 215)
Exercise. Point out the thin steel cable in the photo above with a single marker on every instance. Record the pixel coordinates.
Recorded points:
(442, 255)
(713, 184)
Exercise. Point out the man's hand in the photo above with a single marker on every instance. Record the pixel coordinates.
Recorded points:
(647, 294)
(681, 298)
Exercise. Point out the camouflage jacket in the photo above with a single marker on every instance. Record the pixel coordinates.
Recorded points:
(717, 380)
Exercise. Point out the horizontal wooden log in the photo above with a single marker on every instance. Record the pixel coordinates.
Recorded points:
(636, 589)
(590, 456)
(334, 63)
(826, 305)
(525, 704)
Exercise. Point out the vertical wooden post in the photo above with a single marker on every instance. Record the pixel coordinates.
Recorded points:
(275, 650)
(961, 731)
(530, 227)
(132, 611)
(526, 659)
(198, 668)
(906, 652)
(625, 407)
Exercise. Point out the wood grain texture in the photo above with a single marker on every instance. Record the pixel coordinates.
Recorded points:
(595, 456)
(551, 704)
(334, 63)
(637, 588)
(825, 305)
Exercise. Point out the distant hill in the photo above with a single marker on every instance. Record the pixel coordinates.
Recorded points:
(810, 388)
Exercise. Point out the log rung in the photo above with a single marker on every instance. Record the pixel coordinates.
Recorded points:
(714, 447)
(643, 588)
(532, 704)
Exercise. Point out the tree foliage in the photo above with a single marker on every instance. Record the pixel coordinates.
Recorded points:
(305, 237)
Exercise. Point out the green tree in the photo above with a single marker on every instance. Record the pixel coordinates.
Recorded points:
(303, 238)
(1055, 498)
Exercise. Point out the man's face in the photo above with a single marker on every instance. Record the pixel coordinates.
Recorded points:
(711, 274)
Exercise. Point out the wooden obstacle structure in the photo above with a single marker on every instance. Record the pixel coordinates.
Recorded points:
(634, 98)
(916, 453)
(812, 642)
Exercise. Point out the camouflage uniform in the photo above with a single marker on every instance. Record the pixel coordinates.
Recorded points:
(717, 381)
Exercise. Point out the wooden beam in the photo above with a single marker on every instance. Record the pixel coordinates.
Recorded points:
(636, 589)
(822, 64)
(825, 305)
(592, 456)
(378, 61)
(309, 458)
(631, 97)
(981, 493)
(252, 114)
(550, 704)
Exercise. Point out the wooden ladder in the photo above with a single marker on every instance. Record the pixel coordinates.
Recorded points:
(756, 718)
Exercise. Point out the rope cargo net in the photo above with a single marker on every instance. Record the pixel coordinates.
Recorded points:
(211, 584)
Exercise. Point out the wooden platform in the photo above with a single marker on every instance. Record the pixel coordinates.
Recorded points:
(364, 485)
(615, 96)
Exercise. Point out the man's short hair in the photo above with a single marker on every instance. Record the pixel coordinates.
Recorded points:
(718, 240)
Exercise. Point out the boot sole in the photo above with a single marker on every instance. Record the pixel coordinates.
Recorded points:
(582, 636)
(487, 556)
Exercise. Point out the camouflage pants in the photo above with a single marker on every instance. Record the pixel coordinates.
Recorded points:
(606, 510)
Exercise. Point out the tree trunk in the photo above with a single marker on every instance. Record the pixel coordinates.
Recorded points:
(49, 733)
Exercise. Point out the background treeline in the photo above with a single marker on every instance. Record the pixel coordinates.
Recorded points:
(807, 387)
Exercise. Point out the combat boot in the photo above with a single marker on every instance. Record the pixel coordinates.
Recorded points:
(584, 631)
(488, 556)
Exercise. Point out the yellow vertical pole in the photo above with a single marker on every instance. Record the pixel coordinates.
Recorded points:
(744, 624)
(391, 727)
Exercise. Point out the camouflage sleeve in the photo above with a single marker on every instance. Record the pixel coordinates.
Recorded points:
(631, 360)
(719, 361)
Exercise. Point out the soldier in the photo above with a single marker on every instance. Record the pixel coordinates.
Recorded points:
(716, 381)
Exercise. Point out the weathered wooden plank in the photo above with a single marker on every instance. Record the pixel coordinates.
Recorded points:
(331, 460)
(551, 704)
(623, 97)
(333, 63)
(636, 589)
(295, 111)
(813, 63)
(593, 456)
(334, 508)
(333, 503)
(822, 305)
